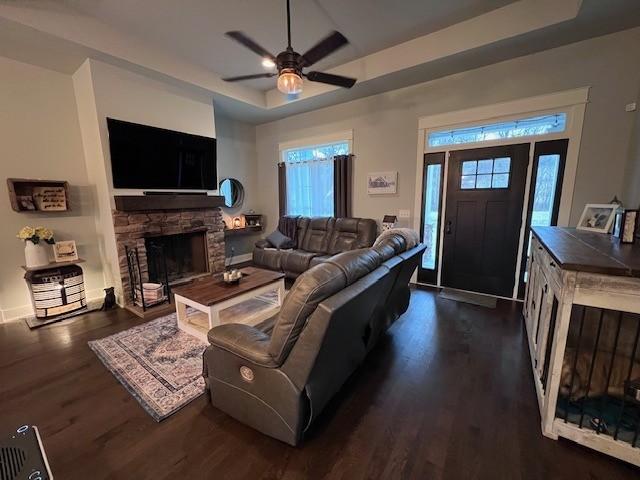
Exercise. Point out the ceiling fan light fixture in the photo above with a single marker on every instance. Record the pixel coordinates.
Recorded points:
(289, 82)
(268, 63)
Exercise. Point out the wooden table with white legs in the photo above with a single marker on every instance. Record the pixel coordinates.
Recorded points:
(210, 296)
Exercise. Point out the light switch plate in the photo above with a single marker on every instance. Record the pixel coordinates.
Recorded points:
(404, 213)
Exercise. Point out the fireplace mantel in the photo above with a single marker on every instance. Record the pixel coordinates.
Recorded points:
(134, 203)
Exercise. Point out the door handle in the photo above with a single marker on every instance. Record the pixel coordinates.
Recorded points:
(447, 229)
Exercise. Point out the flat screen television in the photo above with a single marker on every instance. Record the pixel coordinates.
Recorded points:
(155, 158)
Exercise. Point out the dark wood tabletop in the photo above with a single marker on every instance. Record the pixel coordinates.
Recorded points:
(584, 251)
(212, 289)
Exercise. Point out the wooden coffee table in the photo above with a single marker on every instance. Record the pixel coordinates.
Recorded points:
(211, 295)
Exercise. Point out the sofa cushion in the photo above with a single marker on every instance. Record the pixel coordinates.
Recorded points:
(268, 258)
(386, 248)
(311, 288)
(297, 261)
(355, 264)
(352, 233)
(316, 237)
(319, 259)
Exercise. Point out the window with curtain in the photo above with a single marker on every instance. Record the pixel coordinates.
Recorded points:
(309, 177)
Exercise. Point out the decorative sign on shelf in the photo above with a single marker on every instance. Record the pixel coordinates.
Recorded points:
(50, 198)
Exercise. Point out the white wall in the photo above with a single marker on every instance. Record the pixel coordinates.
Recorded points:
(40, 138)
(385, 125)
(237, 158)
(102, 91)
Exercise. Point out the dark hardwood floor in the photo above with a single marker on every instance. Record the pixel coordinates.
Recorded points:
(447, 394)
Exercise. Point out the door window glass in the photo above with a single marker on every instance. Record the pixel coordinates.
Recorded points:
(483, 174)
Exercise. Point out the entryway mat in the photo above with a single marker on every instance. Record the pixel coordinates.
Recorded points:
(469, 297)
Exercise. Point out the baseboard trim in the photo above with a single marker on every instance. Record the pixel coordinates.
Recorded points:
(18, 313)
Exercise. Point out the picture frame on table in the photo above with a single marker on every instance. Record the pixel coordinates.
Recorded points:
(65, 251)
(626, 226)
(598, 217)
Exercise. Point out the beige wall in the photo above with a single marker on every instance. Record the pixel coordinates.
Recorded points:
(631, 197)
(40, 138)
(385, 125)
(237, 159)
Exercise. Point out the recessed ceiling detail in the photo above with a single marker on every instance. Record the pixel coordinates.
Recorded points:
(392, 44)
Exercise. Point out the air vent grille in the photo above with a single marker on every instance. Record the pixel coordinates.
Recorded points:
(11, 462)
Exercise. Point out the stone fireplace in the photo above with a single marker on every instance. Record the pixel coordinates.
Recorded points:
(192, 241)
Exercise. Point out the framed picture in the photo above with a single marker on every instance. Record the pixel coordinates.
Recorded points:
(597, 217)
(382, 183)
(626, 226)
(65, 251)
(25, 202)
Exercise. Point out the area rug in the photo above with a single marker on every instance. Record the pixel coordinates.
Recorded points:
(160, 365)
(469, 297)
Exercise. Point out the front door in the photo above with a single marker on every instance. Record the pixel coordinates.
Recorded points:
(485, 194)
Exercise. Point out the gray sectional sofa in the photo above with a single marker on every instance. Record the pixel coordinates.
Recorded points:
(279, 376)
(318, 239)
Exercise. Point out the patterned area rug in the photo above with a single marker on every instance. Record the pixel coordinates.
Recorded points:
(160, 365)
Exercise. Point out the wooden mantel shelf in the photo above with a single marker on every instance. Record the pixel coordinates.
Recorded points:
(133, 203)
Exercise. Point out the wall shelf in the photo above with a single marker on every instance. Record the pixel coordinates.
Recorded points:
(35, 195)
(249, 230)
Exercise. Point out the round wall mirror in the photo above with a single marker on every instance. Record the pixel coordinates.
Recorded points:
(232, 191)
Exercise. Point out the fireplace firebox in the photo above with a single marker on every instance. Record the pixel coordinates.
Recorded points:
(185, 255)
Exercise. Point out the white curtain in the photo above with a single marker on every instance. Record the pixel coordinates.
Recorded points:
(310, 188)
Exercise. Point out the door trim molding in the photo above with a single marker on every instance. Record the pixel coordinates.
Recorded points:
(573, 102)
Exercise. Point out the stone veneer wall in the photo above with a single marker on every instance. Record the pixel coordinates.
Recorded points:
(131, 229)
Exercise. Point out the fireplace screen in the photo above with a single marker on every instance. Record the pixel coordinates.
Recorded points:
(185, 255)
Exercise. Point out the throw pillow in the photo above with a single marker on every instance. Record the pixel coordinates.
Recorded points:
(280, 241)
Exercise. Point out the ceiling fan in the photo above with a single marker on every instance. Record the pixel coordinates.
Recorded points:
(290, 63)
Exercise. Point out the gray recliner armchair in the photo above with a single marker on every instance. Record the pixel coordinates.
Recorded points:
(278, 377)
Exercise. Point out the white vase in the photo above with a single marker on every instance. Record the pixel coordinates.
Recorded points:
(36, 255)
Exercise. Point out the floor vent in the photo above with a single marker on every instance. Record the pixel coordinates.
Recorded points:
(11, 462)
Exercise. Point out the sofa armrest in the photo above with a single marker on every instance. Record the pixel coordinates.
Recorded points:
(243, 341)
(263, 243)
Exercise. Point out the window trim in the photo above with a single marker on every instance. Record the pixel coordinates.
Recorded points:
(317, 140)
(573, 102)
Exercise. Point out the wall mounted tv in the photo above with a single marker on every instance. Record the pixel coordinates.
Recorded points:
(155, 158)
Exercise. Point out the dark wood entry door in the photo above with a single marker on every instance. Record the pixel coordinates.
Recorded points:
(485, 194)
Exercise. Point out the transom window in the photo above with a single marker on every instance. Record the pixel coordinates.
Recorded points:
(523, 127)
(310, 178)
(483, 174)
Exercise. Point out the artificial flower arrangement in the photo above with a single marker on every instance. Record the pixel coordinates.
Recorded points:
(36, 234)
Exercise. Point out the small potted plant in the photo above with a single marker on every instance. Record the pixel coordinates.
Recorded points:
(36, 253)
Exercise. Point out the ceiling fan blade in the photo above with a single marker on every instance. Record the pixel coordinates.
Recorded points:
(249, 77)
(337, 80)
(323, 48)
(250, 44)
